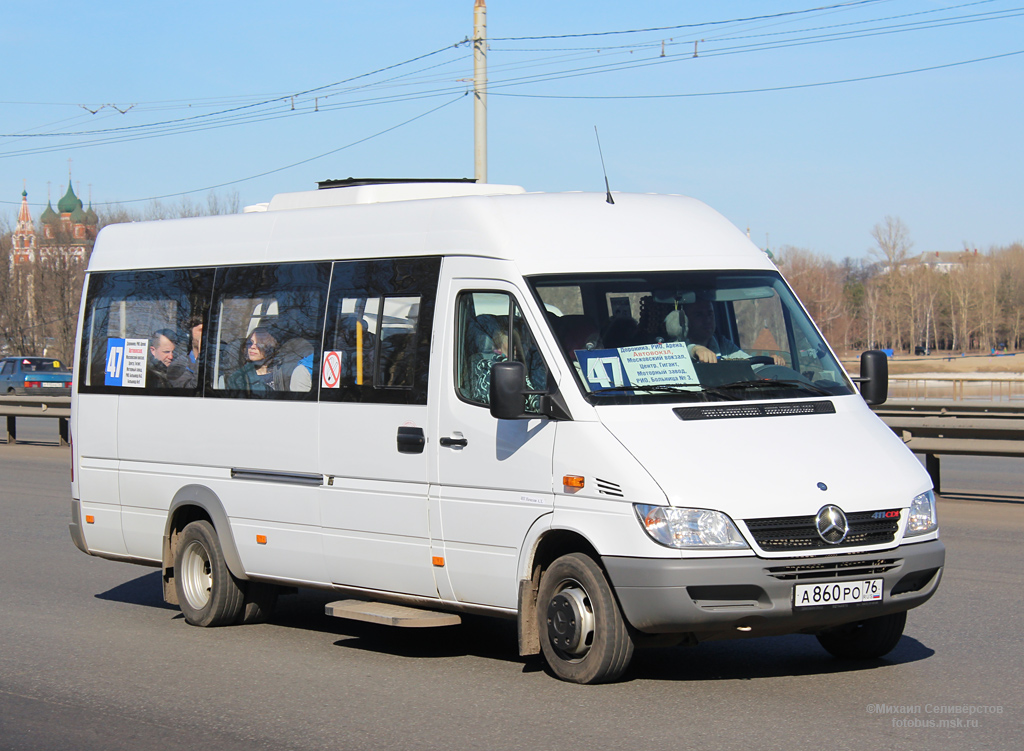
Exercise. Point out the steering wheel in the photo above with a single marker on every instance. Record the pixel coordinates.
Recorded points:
(761, 360)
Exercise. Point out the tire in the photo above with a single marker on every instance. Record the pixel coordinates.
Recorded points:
(583, 635)
(865, 640)
(258, 603)
(208, 594)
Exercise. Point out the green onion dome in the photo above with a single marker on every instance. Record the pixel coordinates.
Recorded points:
(49, 215)
(69, 202)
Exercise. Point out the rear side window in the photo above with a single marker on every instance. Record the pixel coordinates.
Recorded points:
(377, 337)
(137, 331)
(41, 365)
(265, 330)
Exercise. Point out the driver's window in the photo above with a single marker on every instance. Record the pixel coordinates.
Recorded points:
(491, 329)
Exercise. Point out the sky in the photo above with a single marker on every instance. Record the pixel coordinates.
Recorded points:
(806, 122)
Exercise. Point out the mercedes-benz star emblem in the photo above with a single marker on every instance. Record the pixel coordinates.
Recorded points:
(831, 524)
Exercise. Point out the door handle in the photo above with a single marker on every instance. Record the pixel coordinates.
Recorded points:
(446, 441)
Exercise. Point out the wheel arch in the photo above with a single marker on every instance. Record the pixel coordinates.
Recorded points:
(549, 546)
(192, 503)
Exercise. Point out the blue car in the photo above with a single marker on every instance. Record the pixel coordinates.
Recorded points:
(34, 376)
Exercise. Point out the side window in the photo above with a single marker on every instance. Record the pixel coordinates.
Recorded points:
(265, 330)
(141, 329)
(8, 368)
(491, 329)
(377, 336)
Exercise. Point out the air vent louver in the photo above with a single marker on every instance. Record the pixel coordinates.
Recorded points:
(776, 409)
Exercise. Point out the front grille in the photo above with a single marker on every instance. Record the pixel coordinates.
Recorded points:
(798, 533)
(834, 569)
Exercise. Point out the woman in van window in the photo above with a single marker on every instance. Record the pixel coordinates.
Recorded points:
(502, 349)
(257, 374)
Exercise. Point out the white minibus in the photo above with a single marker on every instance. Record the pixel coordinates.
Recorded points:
(610, 420)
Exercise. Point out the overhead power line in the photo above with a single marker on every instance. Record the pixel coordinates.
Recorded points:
(764, 89)
(294, 164)
(690, 25)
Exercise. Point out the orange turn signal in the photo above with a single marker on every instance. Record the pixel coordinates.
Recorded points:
(437, 560)
(90, 519)
(261, 539)
(572, 481)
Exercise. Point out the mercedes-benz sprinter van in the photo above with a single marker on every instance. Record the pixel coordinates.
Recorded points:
(612, 422)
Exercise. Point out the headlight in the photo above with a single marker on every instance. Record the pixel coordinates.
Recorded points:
(923, 516)
(689, 527)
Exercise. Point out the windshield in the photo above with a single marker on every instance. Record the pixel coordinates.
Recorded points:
(688, 336)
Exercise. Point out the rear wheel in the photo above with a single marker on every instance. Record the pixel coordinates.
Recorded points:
(208, 594)
(583, 635)
(865, 640)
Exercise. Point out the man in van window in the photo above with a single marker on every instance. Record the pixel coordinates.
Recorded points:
(703, 344)
(161, 354)
(161, 346)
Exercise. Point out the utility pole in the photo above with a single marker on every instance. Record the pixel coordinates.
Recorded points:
(480, 89)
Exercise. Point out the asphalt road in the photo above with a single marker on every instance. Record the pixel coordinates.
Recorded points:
(91, 658)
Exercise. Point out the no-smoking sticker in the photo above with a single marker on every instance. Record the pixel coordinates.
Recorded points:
(330, 373)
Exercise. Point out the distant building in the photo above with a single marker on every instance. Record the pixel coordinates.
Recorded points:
(71, 229)
(944, 260)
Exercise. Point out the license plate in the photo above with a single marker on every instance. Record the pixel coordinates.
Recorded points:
(54, 385)
(837, 593)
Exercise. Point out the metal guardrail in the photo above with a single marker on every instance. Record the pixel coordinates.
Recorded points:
(954, 427)
(930, 427)
(991, 386)
(14, 407)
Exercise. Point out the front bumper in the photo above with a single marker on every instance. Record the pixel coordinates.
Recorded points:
(720, 598)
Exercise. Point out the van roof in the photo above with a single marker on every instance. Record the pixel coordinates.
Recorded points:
(541, 233)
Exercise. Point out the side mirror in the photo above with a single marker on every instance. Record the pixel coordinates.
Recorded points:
(874, 377)
(508, 384)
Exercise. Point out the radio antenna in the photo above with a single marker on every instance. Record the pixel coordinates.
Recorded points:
(608, 190)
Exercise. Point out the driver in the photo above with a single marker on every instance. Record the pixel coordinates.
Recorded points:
(702, 343)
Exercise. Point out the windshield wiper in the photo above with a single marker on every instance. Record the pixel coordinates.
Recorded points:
(673, 388)
(650, 387)
(776, 383)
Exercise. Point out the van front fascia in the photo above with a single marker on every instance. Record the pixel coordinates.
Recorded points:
(749, 596)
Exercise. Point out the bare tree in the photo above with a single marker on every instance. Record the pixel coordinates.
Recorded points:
(818, 282)
(893, 243)
(1010, 268)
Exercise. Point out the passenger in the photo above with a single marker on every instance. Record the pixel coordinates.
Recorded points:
(161, 354)
(257, 374)
(703, 344)
(187, 367)
(501, 349)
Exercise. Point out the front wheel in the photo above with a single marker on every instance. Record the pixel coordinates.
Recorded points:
(208, 594)
(865, 640)
(584, 637)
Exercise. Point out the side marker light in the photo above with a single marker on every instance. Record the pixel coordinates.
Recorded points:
(261, 539)
(572, 481)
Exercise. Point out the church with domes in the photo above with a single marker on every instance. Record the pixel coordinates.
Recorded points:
(71, 229)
